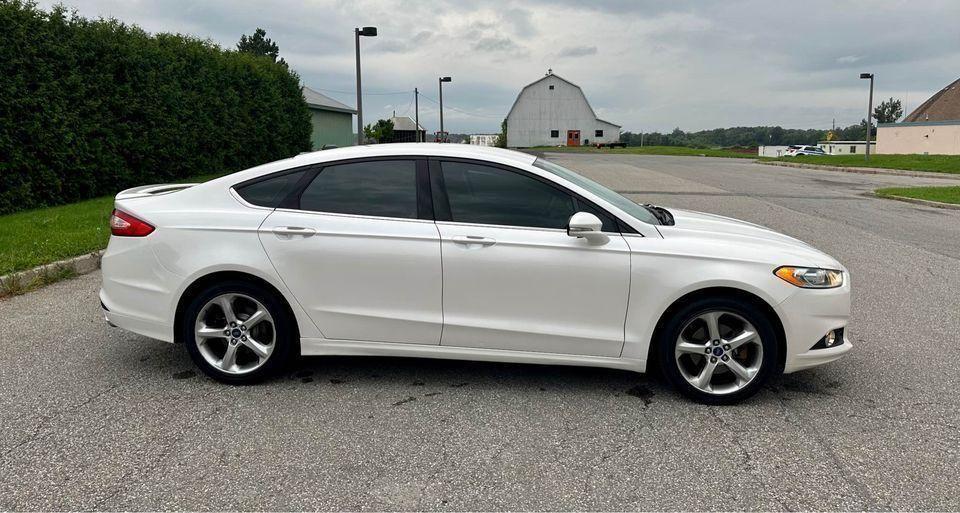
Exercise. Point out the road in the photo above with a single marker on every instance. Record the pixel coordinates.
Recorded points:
(96, 418)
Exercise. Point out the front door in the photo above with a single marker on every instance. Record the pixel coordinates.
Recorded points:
(357, 256)
(573, 138)
(512, 277)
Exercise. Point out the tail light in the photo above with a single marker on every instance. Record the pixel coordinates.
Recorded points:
(123, 224)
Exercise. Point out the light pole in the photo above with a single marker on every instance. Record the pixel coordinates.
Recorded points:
(416, 110)
(866, 156)
(442, 133)
(357, 32)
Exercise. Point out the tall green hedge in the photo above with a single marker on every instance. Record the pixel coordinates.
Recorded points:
(89, 107)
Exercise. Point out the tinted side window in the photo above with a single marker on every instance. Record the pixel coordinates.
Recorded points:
(386, 188)
(488, 195)
(269, 192)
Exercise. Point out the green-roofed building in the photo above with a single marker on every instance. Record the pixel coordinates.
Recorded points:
(331, 120)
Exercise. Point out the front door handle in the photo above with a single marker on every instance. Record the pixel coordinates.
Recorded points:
(473, 239)
(288, 231)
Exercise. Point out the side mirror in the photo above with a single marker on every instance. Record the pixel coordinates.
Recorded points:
(586, 225)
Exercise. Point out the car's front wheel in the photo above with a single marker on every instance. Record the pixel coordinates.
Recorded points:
(718, 350)
(237, 332)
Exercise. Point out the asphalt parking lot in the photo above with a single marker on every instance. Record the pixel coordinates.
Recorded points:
(96, 418)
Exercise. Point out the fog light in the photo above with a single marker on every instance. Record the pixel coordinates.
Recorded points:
(830, 338)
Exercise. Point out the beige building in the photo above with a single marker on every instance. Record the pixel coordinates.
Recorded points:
(932, 129)
(846, 147)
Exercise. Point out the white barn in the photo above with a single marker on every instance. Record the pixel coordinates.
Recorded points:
(554, 112)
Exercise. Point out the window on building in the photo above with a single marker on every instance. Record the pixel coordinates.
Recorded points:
(551, 88)
(853, 149)
(598, 133)
(386, 189)
(554, 133)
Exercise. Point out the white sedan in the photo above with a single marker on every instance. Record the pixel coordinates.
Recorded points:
(464, 252)
(801, 150)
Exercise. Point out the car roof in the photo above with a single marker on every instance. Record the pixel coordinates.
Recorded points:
(467, 151)
(417, 149)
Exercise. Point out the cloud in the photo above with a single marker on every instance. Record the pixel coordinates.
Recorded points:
(577, 51)
(682, 63)
(494, 44)
(849, 59)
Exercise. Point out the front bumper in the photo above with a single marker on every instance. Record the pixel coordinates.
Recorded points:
(807, 316)
(815, 357)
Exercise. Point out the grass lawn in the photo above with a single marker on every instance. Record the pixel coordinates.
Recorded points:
(655, 150)
(44, 235)
(935, 163)
(941, 194)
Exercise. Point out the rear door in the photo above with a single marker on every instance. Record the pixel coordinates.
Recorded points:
(358, 248)
(512, 277)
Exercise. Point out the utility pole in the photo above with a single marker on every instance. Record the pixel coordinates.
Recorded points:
(357, 32)
(416, 110)
(866, 155)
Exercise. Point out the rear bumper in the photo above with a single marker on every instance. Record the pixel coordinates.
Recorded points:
(137, 292)
(139, 325)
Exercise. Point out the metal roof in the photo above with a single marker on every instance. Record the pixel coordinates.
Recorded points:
(552, 74)
(320, 101)
(942, 106)
(404, 124)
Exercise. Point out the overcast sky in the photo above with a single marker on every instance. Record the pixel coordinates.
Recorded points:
(645, 65)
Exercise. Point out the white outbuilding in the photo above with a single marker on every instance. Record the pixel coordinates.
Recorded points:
(554, 112)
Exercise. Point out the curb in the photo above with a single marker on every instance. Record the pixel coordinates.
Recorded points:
(918, 201)
(864, 170)
(22, 281)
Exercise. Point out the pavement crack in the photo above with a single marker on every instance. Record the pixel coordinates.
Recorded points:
(46, 420)
(796, 418)
(138, 474)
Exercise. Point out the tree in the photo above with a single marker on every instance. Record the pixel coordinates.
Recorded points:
(888, 111)
(260, 44)
(501, 140)
(381, 131)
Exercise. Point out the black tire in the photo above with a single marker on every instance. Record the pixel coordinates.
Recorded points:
(667, 339)
(286, 336)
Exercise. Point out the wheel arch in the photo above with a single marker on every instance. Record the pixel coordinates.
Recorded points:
(202, 282)
(724, 292)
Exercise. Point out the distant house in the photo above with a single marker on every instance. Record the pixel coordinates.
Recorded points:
(405, 129)
(553, 111)
(483, 139)
(933, 128)
(331, 120)
(846, 147)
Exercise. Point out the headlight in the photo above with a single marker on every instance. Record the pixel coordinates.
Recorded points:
(810, 277)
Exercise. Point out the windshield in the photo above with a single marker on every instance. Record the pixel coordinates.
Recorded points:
(636, 211)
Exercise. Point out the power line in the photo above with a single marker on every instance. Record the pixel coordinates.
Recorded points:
(364, 94)
(459, 110)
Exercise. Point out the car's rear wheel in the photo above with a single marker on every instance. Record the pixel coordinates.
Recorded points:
(237, 332)
(718, 350)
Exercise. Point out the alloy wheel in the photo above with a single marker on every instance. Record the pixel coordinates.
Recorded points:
(719, 352)
(235, 333)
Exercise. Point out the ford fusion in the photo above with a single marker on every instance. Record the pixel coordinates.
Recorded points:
(462, 252)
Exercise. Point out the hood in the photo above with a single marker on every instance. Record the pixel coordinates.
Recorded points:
(750, 238)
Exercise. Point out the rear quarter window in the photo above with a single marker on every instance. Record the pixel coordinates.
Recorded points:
(270, 191)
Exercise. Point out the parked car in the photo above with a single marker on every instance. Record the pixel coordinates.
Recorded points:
(800, 150)
(464, 252)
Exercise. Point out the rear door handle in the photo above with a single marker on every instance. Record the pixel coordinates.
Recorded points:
(288, 231)
(473, 239)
